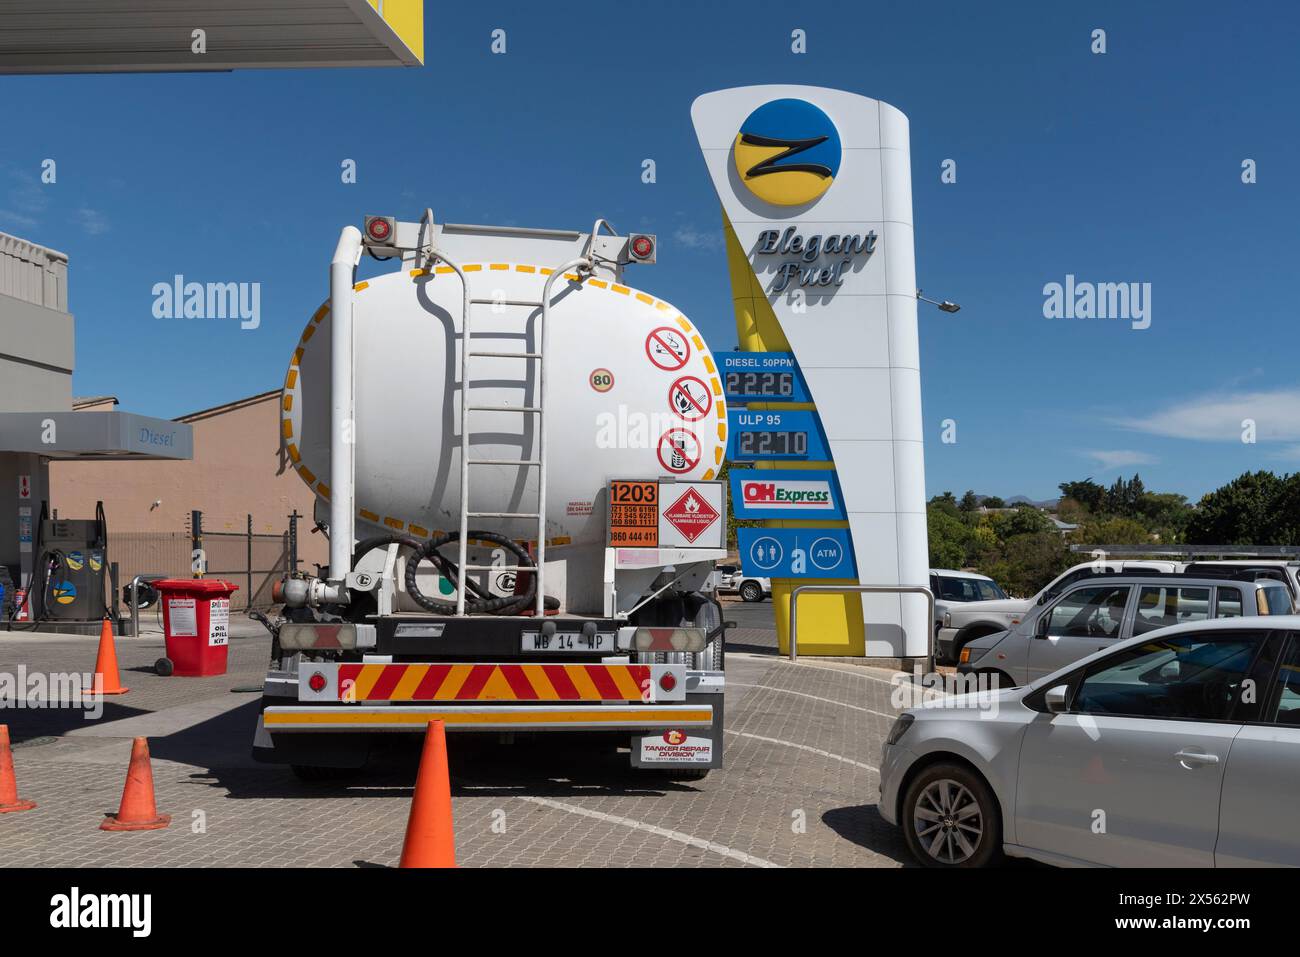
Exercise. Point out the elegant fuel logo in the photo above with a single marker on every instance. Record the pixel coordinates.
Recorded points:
(787, 152)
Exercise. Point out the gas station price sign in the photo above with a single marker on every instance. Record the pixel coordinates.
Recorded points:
(755, 436)
(761, 376)
(633, 514)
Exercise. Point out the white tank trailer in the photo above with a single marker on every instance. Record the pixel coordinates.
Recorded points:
(576, 380)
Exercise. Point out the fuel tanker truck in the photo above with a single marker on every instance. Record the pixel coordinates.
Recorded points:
(515, 456)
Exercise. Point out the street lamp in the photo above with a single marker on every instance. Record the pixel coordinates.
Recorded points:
(946, 306)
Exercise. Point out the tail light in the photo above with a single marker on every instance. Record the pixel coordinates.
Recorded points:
(380, 229)
(641, 247)
(667, 682)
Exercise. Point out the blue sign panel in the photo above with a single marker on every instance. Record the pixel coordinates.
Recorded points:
(797, 552)
(785, 493)
(755, 436)
(761, 377)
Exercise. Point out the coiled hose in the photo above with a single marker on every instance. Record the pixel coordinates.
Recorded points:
(482, 602)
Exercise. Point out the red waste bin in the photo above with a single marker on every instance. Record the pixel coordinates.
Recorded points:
(196, 625)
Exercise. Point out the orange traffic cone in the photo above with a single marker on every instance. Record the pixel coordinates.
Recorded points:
(8, 783)
(137, 811)
(430, 839)
(106, 677)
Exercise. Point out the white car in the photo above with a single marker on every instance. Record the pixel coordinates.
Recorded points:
(960, 623)
(733, 580)
(949, 586)
(1177, 748)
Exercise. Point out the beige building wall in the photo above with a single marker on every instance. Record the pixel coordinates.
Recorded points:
(238, 469)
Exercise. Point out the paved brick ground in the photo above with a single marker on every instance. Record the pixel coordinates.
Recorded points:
(799, 788)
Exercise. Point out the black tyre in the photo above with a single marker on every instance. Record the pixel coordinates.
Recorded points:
(751, 591)
(163, 666)
(950, 818)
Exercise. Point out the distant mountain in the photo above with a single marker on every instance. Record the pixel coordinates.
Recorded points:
(1037, 503)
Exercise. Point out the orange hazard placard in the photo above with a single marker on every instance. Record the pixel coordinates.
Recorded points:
(633, 514)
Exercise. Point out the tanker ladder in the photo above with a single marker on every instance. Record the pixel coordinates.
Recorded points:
(583, 266)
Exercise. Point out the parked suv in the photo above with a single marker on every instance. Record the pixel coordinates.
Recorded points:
(1095, 613)
(954, 587)
(751, 588)
(965, 622)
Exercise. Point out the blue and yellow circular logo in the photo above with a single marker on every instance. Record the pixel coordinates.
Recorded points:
(787, 152)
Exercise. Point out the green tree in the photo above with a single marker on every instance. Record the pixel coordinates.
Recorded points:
(1114, 531)
(1244, 512)
(970, 501)
(993, 501)
(949, 539)
(1086, 492)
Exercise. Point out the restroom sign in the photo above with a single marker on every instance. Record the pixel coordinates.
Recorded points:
(797, 552)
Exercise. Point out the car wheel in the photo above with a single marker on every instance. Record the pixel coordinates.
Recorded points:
(950, 818)
(751, 591)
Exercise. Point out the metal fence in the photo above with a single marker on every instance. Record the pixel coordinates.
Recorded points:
(252, 560)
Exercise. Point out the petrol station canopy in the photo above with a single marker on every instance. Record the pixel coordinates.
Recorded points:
(95, 435)
(127, 36)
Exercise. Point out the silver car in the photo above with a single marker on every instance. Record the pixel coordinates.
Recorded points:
(1177, 748)
(1097, 612)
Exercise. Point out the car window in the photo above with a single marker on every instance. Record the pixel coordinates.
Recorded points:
(1229, 603)
(1193, 676)
(1274, 600)
(1285, 697)
(988, 590)
(957, 589)
(1161, 605)
(1095, 611)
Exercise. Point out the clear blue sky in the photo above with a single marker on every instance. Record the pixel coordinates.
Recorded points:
(1115, 168)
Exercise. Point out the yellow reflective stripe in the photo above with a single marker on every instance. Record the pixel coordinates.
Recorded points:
(586, 687)
(410, 680)
(541, 684)
(365, 681)
(352, 715)
(626, 683)
(456, 678)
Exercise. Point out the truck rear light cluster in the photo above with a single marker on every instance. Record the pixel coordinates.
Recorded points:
(669, 639)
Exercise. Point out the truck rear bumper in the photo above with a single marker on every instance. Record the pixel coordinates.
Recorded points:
(279, 719)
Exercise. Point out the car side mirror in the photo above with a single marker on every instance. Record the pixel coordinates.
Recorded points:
(1040, 626)
(1055, 699)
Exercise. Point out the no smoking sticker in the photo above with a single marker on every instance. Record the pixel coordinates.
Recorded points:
(679, 450)
(690, 398)
(667, 348)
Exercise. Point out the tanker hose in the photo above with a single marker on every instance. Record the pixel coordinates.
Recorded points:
(482, 602)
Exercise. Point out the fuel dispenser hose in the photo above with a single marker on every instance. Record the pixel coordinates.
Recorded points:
(482, 602)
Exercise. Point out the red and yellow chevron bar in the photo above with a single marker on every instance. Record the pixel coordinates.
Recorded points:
(496, 682)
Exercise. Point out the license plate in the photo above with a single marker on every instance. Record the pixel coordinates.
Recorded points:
(570, 643)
